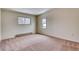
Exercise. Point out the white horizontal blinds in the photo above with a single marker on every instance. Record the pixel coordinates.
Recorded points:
(23, 20)
(20, 20)
(44, 23)
(27, 21)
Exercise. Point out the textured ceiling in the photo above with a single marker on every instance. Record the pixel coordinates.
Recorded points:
(33, 11)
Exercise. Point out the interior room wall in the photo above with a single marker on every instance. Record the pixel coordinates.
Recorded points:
(62, 23)
(0, 24)
(10, 26)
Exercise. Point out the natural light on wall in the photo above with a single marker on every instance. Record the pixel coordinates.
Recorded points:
(44, 23)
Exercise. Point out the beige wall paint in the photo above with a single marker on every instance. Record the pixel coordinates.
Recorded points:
(10, 27)
(0, 24)
(63, 23)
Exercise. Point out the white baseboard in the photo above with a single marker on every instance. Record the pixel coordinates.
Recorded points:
(60, 37)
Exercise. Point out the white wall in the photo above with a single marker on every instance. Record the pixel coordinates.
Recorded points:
(63, 23)
(0, 24)
(10, 27)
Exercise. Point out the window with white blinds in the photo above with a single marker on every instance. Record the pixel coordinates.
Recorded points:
(23, 20)
(44, 23)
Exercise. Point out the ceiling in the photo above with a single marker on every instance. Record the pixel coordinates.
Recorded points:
(33, 11)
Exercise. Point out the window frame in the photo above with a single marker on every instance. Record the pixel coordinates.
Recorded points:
(23, 21)
(44, 27)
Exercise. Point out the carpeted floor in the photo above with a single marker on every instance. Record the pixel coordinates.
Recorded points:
(34, 42)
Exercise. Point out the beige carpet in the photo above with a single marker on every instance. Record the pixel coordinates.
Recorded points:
(35, 42)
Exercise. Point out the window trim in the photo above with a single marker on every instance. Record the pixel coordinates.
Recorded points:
(24, 20)
(44, 23)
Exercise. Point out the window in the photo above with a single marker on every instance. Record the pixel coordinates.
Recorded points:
(23, 20)
(27, 21)
(44, 23)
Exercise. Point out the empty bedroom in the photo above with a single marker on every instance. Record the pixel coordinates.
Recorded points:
(39, 29)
